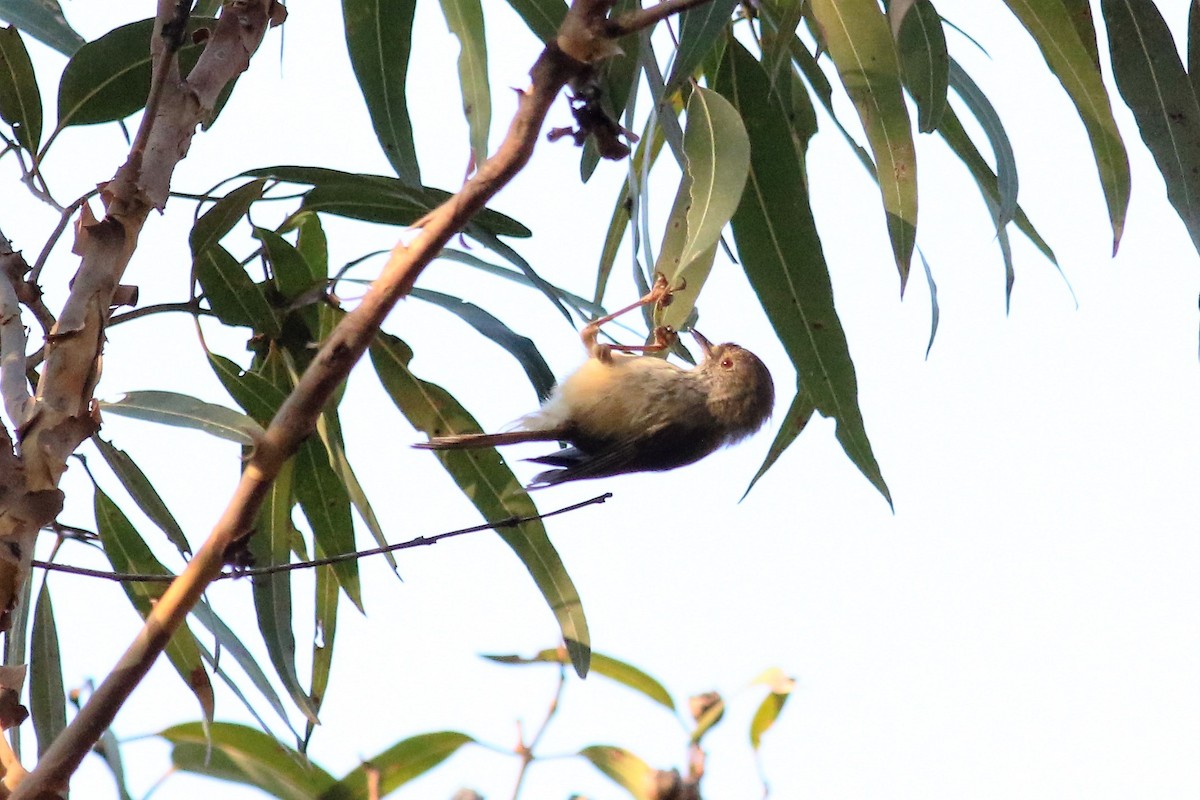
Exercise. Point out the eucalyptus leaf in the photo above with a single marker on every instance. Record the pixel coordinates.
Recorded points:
(184, 411)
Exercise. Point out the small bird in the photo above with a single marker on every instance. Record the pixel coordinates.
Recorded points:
(623, 413)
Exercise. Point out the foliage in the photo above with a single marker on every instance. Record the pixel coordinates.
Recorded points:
(746, 88)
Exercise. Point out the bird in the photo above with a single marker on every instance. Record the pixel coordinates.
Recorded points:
(622, 413)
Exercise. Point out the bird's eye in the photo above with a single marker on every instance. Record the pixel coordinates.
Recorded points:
(727, 362)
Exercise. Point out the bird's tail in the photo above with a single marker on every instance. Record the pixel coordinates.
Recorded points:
(468, 440)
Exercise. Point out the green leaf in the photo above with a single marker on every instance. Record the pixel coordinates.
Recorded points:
(925, 62)
(312, 243)
(522, 348)
(1193, 45)
(379, 41)
(1057, 33)
(271, 545)
(609, 667)
(861, 46)
(488, 482)
(951, 130)
(326, 506)
(794, 422)
(1153, 83)
(231, 644)
(109, 78)
(465, 20)
(44, 21)
(700, 29)
(781, 252)
(624, 768)
(129, 554)
(325, 610)
(330, 430)
(20, 100)
(219, 220)
(402, 762)
(244, 755)
(781, 686)
(717, 152)
(47, 700)
(378, 198)
(292, 273)
(542, 16)
(184, 411)
(257, 395)
(143, 493)
(233, 297)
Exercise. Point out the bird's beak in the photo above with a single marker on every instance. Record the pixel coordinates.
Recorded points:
(705, 344)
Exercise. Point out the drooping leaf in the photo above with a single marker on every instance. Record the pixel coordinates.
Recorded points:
(231, 644)
(330, 430)
(143, 493)
(717, 152)
(44, 21)
(794, 423)
(219, 220)
(47, 700)
(326, 506)
(488, 482)
(402, 762)
(628, 771)
(1006, 163)
(1193, 45)
(522, 348)
(1057, 33)
(614, 669)
(129, 554)
(861, 45)
(951, 130)
(20, 100)
(781, 252)
(232, 296)
(379, 41)
(244, 755)
(764, 717)
(325, 609)
(272, 545)
(1153, 83)
(935, 311)
(184, 411)
(925, 63)
(465, 19)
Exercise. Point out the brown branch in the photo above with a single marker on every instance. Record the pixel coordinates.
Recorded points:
(254, 572)
(14, 388)
(633, 21)
(582, 38)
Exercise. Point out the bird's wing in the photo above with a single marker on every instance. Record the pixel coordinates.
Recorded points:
(659, 447)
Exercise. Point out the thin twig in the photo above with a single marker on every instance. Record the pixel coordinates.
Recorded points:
(63, 220)
(252, 572)
(189, 307)
(525, 750)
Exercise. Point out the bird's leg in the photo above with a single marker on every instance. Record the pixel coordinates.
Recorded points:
(660, 295)
(664, 337)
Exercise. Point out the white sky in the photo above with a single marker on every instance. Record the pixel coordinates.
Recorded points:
(1024, 624)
